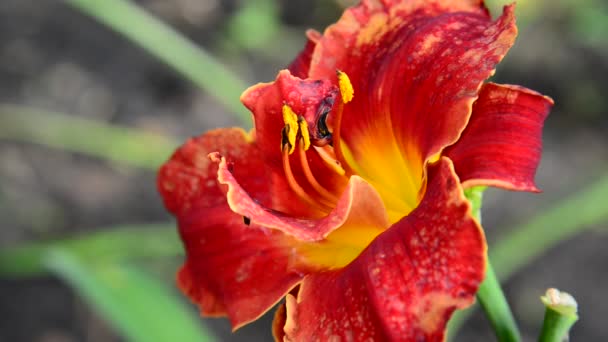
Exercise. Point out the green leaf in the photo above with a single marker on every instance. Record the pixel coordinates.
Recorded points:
(562, 221)
(172, 48)
(91, 137)
(139, 306)
(255, 24)
(112, 244)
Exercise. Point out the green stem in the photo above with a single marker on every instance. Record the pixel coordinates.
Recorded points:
(555, 327)
(171, 47)
(570, 216)
(490, 294)
(497, 310)
(560, 316)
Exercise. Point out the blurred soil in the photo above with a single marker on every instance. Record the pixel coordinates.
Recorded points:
(54, 58)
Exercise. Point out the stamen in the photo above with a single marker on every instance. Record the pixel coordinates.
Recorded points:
(293, 184)
(304, 132)
(347, 92)
(290, 131)
(346, 88)
(328, 196)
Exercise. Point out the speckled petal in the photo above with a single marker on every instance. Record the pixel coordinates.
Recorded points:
(407, 283)
(416, 68)
(232, 268)
(502, 143)
(189, 178)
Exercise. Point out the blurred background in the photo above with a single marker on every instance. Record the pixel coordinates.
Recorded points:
(86, 116)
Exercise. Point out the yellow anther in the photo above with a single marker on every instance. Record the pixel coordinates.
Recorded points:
(304, 132)
(346, 88)
(291, 127)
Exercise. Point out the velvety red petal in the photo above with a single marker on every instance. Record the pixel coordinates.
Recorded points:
(359, 202)
(447, 62)
(370, 21)
(416, 68)
(232, 268)
(502, 143)
(301, 64)
(407, 283)
(189, 178)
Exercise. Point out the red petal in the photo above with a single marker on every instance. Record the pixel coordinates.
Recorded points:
(300, 66)
(231, 268)
(407, 283)
(234, 269)
(369, 21)
(359, 202)
(416, 68)
(502, 143)
(189, 177)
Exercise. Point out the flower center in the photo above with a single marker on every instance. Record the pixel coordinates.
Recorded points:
(296, 138)
(345, 243)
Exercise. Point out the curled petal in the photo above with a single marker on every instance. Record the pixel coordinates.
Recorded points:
(502, 143)
(359, 202)
(189, 178)
(407, 283)
(232, 268)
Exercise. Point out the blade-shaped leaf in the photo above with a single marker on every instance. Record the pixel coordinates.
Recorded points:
(76, 134)
(171, 47)
(141, 307)
(112, 244)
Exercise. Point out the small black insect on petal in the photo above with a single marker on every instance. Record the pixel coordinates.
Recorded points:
(246, 220)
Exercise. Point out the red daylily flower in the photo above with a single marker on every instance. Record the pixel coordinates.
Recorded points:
(351, 205)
